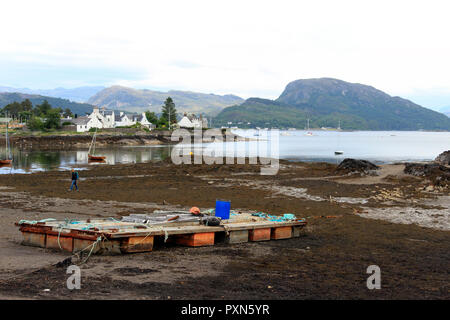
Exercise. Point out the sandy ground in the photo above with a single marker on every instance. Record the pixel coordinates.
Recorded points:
(386, 220)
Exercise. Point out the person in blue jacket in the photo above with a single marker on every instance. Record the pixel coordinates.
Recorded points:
(74, 180)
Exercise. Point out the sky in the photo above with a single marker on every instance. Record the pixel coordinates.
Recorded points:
(248, 48)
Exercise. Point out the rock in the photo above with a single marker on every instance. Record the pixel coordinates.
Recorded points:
(425, 169)
(439, 175)
(443, 158)
(353, 165)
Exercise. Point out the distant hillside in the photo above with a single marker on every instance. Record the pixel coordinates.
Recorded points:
(133, 100)
(75, 107)
(80, 94)
(262, 113)
(327, 101)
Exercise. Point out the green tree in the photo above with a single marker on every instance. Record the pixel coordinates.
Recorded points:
(53, 119)
(152, 117)
(162, 123)
(26, 105)
(35, 123)
(25, 115)
(169, 112)
(67, 113)
(12, 109)
(43, 109)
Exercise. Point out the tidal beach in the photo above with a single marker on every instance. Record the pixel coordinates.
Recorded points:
(345, 233)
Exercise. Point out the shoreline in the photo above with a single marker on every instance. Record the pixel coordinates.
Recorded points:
(74, 141)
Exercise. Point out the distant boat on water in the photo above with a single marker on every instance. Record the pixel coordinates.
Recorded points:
(8, 159)
(309, 133)
(92, 157)
(338, 152)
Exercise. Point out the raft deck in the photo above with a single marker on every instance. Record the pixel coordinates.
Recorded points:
(110, 236)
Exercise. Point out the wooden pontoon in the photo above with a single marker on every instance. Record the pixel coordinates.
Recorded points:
(131, 234)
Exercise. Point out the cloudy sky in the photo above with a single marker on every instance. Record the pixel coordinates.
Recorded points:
(248, 48)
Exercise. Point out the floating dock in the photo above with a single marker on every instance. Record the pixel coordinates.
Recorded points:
(141, 233)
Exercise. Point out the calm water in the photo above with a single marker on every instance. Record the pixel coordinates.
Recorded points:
(377, 146)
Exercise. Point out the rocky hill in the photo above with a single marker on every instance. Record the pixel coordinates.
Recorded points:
(133, 100)
(326, 102)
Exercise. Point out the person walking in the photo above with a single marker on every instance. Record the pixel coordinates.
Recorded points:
(74, 180)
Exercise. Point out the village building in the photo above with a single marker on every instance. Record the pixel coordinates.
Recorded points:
(193, 122)
(142, 119)
(122, 120)
(85, 123)
(104, 119)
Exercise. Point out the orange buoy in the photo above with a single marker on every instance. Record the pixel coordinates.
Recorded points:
(195, 211)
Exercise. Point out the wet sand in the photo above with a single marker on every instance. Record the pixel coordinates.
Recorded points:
(328, 261)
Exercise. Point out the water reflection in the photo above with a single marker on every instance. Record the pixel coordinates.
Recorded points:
(31, 161)
(376, 146)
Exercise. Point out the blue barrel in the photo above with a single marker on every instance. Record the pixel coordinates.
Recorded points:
(223, 209)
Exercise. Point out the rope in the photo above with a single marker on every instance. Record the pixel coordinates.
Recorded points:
(92, 249)
(59, 233)
(226, 228)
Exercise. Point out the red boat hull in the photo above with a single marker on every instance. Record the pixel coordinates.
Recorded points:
(5, 162)
(95, 158)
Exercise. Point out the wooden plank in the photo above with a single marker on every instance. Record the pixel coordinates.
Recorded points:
(34, 239)
(110, 247)
(65, 242)
(297, 231)
(137, 244)
(200, 229)
(239, 236)
(195, 239)
(281, 233)
(85, 246)
(262, 234)
(87, 235)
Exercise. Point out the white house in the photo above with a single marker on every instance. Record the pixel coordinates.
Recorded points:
(108, 119)
(122, 120)
(142, 119)
(85, 123)
(192, 121)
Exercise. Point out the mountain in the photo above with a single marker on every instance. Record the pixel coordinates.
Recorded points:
(80, 94)
(75, 107)
(327, 101)
(133, 100)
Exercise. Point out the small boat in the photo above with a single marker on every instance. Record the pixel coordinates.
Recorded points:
(91, 156)
(8, 159)
(5, 162)
(338, 152)
(309, 133)
(96, 158)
